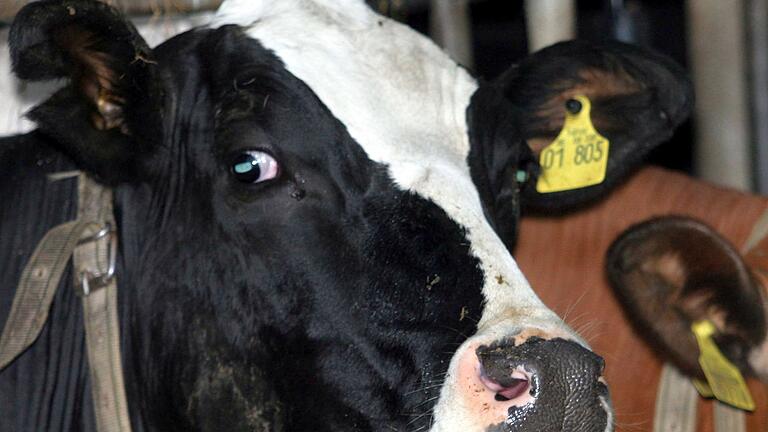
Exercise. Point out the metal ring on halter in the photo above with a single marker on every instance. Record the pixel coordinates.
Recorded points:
(89, 280)
(106, 229)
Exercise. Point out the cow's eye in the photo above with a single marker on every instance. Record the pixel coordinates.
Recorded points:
(254, 166)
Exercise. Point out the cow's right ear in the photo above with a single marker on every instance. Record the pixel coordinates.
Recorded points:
(94, 119)
(671, 272)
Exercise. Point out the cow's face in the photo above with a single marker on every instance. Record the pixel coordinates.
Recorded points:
(303, 241)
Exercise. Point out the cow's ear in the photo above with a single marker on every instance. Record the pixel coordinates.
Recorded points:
(497, 154)
(670, 272)
(110, 71)
(637, 100)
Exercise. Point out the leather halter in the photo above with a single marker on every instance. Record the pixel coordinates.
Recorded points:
(91, 242)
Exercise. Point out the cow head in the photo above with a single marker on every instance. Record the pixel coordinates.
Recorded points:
(303, 243)
(671, 272)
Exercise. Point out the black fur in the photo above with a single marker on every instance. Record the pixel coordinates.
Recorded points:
(38, 51)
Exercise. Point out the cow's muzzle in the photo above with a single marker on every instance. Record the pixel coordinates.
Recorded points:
(537, 385)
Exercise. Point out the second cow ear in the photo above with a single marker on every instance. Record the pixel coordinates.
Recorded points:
(673, 271)
(110, 74)
(638, 98)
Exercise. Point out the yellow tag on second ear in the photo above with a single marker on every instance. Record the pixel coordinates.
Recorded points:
(703, 388)
(578, 157)
(723, 377)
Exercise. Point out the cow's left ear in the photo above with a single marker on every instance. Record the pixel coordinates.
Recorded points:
(110, 72)
(637, 100)
(671, 272)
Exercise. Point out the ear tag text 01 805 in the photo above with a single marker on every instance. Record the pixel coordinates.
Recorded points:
(724, 379)
(578, 157)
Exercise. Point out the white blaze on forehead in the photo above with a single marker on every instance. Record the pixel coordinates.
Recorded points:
(404, 101)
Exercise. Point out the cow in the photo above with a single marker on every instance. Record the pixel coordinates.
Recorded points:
(683, 230)
(307, 198)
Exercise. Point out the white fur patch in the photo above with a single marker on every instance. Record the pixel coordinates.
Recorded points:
(404, 101)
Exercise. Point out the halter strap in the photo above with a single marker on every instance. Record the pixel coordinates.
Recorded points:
(92, 244)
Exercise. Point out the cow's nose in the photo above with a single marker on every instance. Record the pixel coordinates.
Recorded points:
(539, 385)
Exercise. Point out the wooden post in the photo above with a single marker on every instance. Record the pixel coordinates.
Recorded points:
(716, 43)
(549, 21)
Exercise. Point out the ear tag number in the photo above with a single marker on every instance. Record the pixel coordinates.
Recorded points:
(724, 379)
(578, 157)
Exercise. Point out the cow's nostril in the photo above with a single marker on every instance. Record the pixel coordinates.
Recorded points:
(602, 389)
(508, 388)
(516, 389)
(600, 364)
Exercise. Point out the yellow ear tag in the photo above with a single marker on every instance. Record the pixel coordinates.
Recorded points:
(724, 378)
(703, 388)
(578, 157)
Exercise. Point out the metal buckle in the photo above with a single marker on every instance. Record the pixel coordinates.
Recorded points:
(90, 281)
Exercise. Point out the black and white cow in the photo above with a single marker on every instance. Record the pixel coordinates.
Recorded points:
(306, 195)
